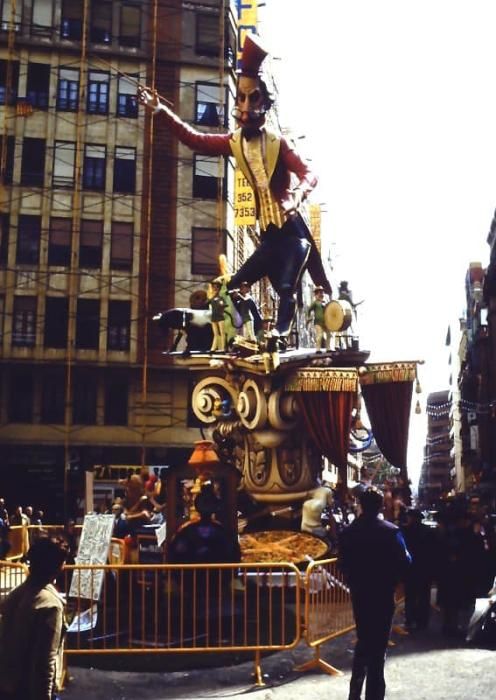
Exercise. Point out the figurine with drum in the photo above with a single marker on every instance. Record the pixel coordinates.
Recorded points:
(338, 319)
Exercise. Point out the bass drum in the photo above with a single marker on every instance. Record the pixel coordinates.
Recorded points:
(338, 315)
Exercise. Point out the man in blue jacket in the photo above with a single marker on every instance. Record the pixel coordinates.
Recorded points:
(373, 558)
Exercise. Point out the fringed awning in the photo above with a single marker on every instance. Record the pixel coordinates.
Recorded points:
(388, 372)
(387, 392)
(344, 379)
(327, 396)
(323, 379)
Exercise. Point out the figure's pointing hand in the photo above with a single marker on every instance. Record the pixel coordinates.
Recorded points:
(148, 97)
(289, 206)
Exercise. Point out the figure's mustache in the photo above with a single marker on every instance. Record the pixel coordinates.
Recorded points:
(253, 114)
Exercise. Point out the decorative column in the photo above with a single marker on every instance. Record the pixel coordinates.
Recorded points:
(272, 449)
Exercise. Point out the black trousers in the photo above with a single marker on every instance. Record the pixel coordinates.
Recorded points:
(373, 618)
(417, 600)
(281, 256)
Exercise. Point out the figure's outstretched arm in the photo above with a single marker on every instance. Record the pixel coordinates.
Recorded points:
(198, 141)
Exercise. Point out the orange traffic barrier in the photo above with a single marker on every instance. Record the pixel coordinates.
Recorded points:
(19, 542)
(12, 574)
(158, 609)
(328, 610)
(123, 608)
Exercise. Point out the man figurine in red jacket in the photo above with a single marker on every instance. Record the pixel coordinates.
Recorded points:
(268, 161)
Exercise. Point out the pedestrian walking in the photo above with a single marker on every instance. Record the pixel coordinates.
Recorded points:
(460, 566)
(420, 540)
(373, 558)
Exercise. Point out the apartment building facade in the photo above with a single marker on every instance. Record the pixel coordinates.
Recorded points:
(105, 220)
(436, 472)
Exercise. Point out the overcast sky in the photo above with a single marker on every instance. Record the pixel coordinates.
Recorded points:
(397, 100)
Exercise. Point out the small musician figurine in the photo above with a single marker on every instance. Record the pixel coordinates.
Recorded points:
(344, 294)
(316, 311)
(217, 306)
(248, 310)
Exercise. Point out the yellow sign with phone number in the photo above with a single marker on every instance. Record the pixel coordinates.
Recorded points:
(244, 201)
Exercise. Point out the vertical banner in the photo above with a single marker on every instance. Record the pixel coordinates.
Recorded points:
(315, 216)
(244, 199)
(247, 22)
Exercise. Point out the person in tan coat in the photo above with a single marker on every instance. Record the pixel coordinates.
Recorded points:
(32, 627)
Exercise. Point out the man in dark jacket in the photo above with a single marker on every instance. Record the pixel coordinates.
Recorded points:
(460, 556)
(421, 543)
(373, 558)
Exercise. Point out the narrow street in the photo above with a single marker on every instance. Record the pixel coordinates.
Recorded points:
(422, 666)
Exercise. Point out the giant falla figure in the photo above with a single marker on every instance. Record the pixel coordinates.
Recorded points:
(280, 179)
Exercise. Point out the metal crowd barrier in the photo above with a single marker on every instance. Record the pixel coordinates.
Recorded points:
(328, 612)
(20, 537)
(12, 574)
(159, 609)
(163, 608)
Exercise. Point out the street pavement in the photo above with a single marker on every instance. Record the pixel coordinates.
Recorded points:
(420, 666)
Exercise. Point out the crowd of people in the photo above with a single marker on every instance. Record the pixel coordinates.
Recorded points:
(20, 516)
(380, 543)
(26, 515)
(456, 558)
(455, 553)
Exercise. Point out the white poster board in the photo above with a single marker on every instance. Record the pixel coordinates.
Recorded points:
(93, 549)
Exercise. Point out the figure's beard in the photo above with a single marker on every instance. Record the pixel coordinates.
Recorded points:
(250, 131)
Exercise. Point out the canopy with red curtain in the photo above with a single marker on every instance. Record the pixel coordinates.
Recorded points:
(387, 392)
(326, 397)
